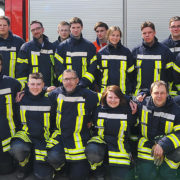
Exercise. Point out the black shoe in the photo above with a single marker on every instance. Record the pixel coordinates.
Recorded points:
(20, 175)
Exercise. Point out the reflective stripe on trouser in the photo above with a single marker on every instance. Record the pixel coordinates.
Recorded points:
(12, 64)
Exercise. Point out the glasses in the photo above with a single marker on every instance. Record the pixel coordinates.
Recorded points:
(174, 27)
(69, 79)
(36, 29)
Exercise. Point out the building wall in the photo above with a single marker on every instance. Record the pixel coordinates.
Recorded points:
(128, 14)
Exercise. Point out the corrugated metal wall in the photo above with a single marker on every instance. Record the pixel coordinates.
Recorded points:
(128, 14)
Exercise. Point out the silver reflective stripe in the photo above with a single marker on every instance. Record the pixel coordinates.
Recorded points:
(112, 116)
(45, 51)
(145, 109)
(175, 49)
(5, 91)
(114, 57)
(71, 54)
(165, 115)
(35, 53)
(36, 108)
(142, 56)
(71, 99)
(4, 48)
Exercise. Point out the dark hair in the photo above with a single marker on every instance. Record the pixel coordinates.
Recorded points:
(159, 83)
(70, 71)
(6, 19)
(147, 24)
(175, 18)
(75, 20)
(101, 24)
(36, 75)
(117, 91)
(36, 21)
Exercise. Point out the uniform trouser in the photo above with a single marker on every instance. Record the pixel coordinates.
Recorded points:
(78, 170)
(147, 170)
(7, 163)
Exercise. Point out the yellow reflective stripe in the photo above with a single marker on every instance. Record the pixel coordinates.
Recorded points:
(141, 147)
(93, 59)
(95, 165)
(89, 76)
(100, 123)
(131, 69)
(59, 58)
(74, 151)
(176, 128)
(22, 81)
(122, 82)
(23, 163)
(55, 134)
(168, 127)
(99, 98)
(9, 114)
(157, 70)
(46, 125)
(118, 154)
(60, 78)
(178, 87)
(84, 66)
(144, 120)
(52, 69)
(58, 114)
(139, 74)
(120, 141)
(105, 75)
(19, 60)
(145, 156)
(23, 120)
(174, 139)
(22, 135)
(34, 61)
(68, 63)
(119, 161)
(40, 154)
(169, 65)
(12, 64)
(6, 144)
(75, 157)
(176, 68)
(172, 164)
(79, 124)
(96, 139)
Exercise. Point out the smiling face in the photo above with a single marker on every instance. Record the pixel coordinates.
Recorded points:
(35, 86)
(159, 95)
(175, 30)
(114, 37)
(70, 81)
(112, 100)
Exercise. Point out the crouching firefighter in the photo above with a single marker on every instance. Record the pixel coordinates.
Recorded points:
(28, 145)
(159, 129)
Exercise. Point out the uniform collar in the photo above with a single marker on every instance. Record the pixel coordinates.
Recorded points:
(154, 45)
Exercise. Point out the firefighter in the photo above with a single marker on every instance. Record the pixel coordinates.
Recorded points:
(173, 42)
(78, 54)
(115, 63)
(101, 29)
(63, 31)
(153, 60)
(112, 121)
(29, 143)
(36, 55)
(159, 134)
(8, 121)
(9, 46)
(74, 105)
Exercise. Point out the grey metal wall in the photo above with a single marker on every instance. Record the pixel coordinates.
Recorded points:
(90, 11)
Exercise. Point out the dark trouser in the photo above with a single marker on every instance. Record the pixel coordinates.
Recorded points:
(7, 163)
(78, 170)
(119, 173)
(146, 170)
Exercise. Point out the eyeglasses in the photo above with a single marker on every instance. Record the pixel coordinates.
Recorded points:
(69, 79)
(36, 29)
(174, 27)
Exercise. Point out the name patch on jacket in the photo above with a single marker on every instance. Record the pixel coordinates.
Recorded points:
(112, 116)
(36, 108)
(73, 54)
(71, 99)
(5, 91)
(4, 48)
(165, 115)
(153, 57)
(114, 57)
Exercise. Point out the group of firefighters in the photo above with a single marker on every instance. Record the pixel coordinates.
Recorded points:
(77, 108)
